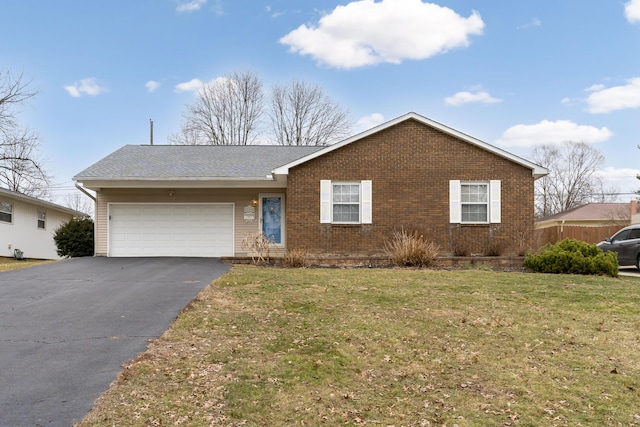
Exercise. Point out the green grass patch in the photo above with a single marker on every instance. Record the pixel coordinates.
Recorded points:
(267, 346)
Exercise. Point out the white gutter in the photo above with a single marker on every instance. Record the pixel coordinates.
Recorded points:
(91, 196)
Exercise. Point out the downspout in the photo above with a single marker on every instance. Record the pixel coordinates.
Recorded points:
(95, 213)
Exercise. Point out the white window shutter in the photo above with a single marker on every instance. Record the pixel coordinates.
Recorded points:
(366, 203)
(494, 197)
(455, 205)
(325, 201)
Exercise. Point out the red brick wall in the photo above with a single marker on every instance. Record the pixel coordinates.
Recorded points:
(410, 165)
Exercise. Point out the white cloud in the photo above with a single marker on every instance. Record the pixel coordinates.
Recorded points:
(615, 98)
(152, 85)
(367, 122)
(272, 13)
(595, 88)
(217, 7)
(632, 11)
(89, 86)
(366, 32)
(548, 132)
(196, 85)
(535, 22)
(190, 6)
(620, 180)
(465, 97)
(190, 86)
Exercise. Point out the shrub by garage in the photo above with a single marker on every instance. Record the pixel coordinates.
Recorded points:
(75, 238)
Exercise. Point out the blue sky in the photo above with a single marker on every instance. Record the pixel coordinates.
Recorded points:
(511, 73)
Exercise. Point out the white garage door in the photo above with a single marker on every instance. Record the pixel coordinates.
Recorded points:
(192, 230)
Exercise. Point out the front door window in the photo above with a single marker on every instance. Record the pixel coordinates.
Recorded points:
(272, 218)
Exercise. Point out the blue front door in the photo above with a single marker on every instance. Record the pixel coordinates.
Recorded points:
(272, 218)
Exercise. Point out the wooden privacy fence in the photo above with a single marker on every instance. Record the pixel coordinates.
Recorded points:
(586, 234)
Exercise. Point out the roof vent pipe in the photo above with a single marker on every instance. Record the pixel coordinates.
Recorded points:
(151, 131)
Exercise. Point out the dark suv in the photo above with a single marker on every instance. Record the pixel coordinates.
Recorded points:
(626, 243)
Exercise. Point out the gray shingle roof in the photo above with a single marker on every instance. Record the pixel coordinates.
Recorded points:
(162, 162)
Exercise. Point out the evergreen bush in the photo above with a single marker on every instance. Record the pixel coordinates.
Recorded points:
(75, 238)
(571, 256)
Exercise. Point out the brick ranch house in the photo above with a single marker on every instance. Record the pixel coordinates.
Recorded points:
(343, 199)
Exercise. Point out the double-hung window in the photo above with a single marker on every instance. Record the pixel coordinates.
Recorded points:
(6, 212)
(472, 202)
(42, 220)
(345, 202)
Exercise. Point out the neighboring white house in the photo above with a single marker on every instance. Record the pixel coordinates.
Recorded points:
(28, 224)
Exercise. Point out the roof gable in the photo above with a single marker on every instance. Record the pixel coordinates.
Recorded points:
(536, 170)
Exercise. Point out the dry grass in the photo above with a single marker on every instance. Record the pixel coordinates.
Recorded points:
(7, 264)
(281, 347)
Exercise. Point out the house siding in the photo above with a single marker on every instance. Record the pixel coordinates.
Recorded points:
(23, 232)
(239, 197)
(410, 166)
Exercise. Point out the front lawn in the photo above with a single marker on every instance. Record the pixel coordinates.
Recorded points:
(7, 264)
(280, 347)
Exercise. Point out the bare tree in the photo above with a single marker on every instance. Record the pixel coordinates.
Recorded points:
(229, 111)
(79, 202)
(21, 167)
(604, 194)
(14, 91)
(226, 112)
(187, 135)
(301, 114)
(573, 176)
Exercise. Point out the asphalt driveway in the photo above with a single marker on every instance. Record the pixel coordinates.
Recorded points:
(67, 327)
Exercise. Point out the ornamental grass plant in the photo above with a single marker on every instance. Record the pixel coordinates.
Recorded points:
(411, 249)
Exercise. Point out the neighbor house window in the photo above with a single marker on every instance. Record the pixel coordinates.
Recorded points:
(474, 202)
(42, 218)
(6, 212)
(345, 202)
